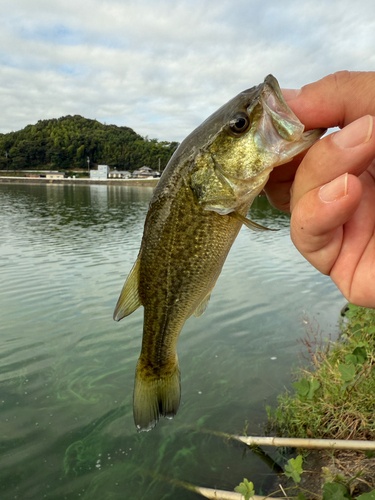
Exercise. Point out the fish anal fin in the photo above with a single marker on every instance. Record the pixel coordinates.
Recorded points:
(155, 396)
(129, 299)
(202, 306)
(249, 223)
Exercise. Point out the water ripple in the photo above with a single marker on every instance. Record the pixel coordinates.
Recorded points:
(67, 370)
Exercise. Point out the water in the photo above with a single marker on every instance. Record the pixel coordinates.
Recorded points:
(67, 369)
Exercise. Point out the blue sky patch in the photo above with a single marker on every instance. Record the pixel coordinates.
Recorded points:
(58, 33)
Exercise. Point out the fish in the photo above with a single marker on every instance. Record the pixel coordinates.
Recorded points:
(197, 209)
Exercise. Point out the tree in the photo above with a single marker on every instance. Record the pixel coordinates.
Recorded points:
(65, 142)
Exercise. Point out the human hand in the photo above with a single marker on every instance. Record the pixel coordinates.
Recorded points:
(331, 190)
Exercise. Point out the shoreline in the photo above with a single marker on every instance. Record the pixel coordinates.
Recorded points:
(108, 182)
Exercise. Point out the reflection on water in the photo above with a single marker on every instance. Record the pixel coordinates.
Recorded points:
(66, 369)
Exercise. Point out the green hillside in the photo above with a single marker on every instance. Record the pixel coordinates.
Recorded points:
(65, 143)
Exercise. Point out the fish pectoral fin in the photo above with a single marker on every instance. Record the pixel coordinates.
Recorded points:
(129, 299)
(202, 306)
(249, 223)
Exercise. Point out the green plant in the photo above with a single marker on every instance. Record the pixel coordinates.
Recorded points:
(306, 389)
(294, 469)
(335, 491)
(246, 489)
(333, 398)
(336, 487)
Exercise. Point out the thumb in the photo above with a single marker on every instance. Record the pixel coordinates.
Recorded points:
(318, 219)
(327, 191)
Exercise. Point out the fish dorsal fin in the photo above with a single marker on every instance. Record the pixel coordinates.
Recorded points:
(250, 224)
(202, 306)
(129, 299)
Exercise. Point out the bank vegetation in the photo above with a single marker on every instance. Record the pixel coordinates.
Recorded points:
(68, 142)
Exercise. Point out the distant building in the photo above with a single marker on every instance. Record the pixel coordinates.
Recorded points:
(144, 173)
(54, 175)
(119, 174)
(101, 173)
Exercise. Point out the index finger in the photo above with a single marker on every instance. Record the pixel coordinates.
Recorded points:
(350, 150)
(334, 101)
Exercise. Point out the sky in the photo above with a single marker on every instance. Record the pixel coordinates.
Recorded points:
(162, 66)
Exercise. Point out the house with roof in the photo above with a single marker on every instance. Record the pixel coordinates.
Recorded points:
(55, 175)
(145, 173)
(119, 174)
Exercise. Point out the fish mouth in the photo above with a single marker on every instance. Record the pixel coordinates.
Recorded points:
(278, 129)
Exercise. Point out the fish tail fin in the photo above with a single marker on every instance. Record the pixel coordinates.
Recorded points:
(155, 396)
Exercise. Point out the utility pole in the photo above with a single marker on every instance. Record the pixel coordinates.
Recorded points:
(88, 164)
(159, 163)
(6, 156)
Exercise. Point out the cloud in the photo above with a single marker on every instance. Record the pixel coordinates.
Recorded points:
(161, 67)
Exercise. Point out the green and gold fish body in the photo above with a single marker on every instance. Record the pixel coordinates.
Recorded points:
(195, 214)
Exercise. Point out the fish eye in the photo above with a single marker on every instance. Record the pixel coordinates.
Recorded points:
(239, 123)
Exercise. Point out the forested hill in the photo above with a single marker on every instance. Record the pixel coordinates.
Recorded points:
(65, 143)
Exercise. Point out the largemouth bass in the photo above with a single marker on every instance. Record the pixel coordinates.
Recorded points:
(195, 214)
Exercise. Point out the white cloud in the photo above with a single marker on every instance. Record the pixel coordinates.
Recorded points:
(161, 67)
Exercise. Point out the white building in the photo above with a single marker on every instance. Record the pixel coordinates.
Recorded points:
(55, 175)
(101, 173)
(119, 174)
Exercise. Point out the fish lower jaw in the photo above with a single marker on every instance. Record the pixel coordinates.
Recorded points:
(279, 131)
(219, 210)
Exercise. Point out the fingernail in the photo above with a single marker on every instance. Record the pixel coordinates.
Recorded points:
(290, 94)
(334, 190)
(356, 133)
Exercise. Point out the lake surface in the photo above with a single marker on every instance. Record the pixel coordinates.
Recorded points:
(67, 369)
